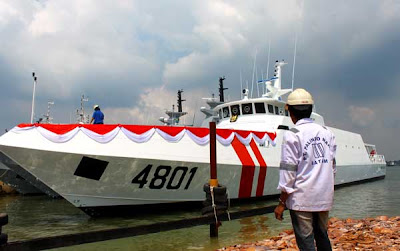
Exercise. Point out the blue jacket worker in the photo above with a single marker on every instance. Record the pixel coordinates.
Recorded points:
(98, 116)
(306, 174)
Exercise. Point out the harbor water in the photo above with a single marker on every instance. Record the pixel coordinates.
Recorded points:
(39, 216)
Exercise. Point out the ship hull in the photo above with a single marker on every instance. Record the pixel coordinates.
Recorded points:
(116, 187)
(65, 174)
(123, 173)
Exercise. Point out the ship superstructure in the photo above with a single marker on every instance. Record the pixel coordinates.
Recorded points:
(174, 116)
(211, 113)
(262, 113)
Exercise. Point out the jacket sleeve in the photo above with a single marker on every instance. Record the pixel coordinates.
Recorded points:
(289, 162)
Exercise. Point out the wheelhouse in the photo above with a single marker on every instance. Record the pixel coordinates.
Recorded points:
(247, 107)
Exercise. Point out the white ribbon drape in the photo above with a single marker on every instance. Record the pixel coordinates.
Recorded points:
(264, 139)
(170, 138)
(198, 140)
(144, 137)
(139, 138)
(57, 138)
(227, 141)
(105, 138)
(245, 141)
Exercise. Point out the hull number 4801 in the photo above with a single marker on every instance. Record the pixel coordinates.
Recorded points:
(165, 176)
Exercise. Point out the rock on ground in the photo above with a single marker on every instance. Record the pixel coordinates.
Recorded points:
(5, 189)
(375, 234)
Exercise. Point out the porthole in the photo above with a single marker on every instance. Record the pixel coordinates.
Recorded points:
(235, 110)
(225, 112)
(247, 109)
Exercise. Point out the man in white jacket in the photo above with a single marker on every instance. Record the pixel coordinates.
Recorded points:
(307, 172)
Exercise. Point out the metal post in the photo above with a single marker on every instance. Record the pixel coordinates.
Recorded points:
(213, 170)
(33, 96)
(213, 155)
(213, 230)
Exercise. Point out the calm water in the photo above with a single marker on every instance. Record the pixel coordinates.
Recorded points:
(39, 216)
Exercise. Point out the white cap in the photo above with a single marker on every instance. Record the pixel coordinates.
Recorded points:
(95, 106)
(300, 97)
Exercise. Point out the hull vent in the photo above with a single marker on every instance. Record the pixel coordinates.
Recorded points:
(91, 168)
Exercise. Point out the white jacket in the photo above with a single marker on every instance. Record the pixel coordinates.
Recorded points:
(306, 168)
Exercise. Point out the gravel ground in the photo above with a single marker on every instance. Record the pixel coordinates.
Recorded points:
(375, 234)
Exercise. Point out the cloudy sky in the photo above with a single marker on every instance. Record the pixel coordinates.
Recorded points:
(131, 57)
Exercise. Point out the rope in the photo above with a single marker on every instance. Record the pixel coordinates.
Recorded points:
(229, 205)
(213, 204)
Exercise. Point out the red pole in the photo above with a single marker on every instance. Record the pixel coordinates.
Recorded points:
(213, 170)
(213, 155)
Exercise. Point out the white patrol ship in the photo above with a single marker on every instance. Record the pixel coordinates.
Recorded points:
(98, 167)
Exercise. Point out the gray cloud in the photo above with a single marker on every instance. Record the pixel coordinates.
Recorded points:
(132, 56)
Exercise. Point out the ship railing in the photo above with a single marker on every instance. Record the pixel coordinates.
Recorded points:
(376, 158)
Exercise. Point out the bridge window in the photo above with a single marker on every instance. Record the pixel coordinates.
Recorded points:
(247, 108)
(220, 113)
(286, 112)
(270, 108)
(235, 110)
(225, 112)
(276, 110)
(260, 107)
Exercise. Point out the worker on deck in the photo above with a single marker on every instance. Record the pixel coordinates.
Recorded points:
(98, 116)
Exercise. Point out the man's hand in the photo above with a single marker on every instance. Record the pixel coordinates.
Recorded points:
(279, 211)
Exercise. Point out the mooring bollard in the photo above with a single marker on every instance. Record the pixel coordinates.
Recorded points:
(216, 198)
(3, 221)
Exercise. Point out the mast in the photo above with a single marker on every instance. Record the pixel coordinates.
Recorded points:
(173, 116)
(211, 114)
(241, 84)
(81, 112)
(258, 91)
(278, 73)
(273, 85)
(252, 78)
(221, 89)
(33, 96)
(47, 116)
(294, 59)
(180, 100)
(269, 53)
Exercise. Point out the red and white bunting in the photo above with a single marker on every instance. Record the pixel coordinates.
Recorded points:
(143, 133)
